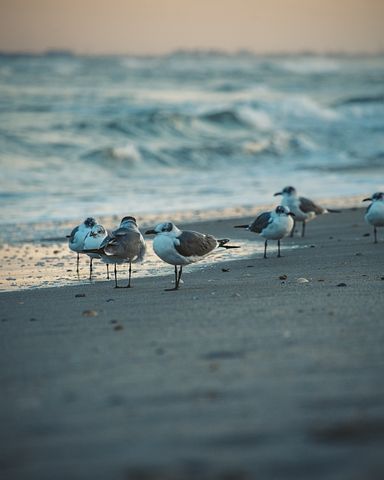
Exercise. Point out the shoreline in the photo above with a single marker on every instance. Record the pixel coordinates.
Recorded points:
(45, 261)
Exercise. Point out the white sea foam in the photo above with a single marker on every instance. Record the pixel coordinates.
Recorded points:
(303, 106)
(309, 65)
(126, 152)
(258, 118)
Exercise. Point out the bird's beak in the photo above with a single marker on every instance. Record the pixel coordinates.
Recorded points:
(291, 214)
(68, 236)
(150, 232)
(277, 193)
(241, 226)
(367, 200)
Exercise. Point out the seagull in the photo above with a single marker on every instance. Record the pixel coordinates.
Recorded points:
(92, 241)
(124, 245)
(272, 226)
(303, 208)
(78, 235)
(178, 247)
(375, 212)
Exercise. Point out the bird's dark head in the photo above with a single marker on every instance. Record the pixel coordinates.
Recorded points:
(287, 191)
(281, 210)
(90, 222)
(378, 196)
(165, 228)
(98, 231)
(128, 219)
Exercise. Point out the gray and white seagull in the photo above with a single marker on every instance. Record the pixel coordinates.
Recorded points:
(179, 248)
(375, 212)
(77, 237)
(272, 226)
(303, 208)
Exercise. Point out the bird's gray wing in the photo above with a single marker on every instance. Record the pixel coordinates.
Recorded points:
(261, 222)
(195, 244)
(125, 246)
(306, 205)
(71, 236)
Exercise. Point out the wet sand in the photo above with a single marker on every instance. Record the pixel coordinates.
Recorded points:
(240, 374)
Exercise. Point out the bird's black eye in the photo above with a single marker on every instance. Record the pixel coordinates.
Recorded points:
(167, 227)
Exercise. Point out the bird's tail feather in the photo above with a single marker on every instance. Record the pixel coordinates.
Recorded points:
(99, 251)
(223, 243)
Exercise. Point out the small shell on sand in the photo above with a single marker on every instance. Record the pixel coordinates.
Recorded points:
(90, 313)
(302, 280)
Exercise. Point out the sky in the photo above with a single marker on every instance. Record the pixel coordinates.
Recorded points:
(161, 26)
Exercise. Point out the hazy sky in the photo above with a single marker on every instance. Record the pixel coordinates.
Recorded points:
(158, 26)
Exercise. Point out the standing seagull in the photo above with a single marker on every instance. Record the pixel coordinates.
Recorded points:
(93, 241)
(303, 208)
(375, 212)
(179, 248)
(78, 235)
(124, 245)
(272, 226)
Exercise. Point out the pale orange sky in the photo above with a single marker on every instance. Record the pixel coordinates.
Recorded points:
(160, 26)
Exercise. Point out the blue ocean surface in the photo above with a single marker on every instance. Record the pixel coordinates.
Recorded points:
(102, 135)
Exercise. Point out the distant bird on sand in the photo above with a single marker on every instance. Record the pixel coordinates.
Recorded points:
(178, 247)
(78, 235)
(303, 208)
(375, 212)
(93, 241)
(124, 245)
(272, 226)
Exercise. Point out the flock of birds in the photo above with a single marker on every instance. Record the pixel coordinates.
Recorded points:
(126, 244)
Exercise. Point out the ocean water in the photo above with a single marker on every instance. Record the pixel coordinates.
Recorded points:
(92, 135)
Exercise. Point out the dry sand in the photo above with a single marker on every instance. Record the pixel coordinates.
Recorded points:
(239, 374)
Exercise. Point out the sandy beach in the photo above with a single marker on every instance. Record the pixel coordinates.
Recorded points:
(267, 369)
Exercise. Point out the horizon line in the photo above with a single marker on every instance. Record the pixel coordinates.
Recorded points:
(62, 51)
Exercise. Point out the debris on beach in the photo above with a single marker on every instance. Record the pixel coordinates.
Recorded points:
(90, 313)
(302, 280)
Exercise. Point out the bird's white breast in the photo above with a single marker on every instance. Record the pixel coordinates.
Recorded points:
(164, 247)
(278, 228)
(77, 245)
(375, 214)
(293, 203)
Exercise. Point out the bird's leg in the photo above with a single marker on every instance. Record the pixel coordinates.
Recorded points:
(293, 229)
(176, 282)
(278, 248)
(265, 248)
(116, 277)
(90, 269)
(77, 264)
(303, 229)
(375, 233)
(129, 275)
(179, 277)
(107, 271)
